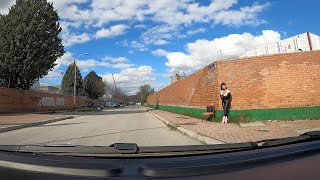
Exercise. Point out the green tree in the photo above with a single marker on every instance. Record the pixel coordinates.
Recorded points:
(67, 85)
(93, 85)
(29, 43)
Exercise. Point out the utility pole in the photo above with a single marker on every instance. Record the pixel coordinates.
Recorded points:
(115, 86)
(74, 84)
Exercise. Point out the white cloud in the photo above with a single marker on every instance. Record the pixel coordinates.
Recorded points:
(138, 46)
(54, 75)
(160, 42)
(124, 43)
(130, 79)
(4, 6)
(85, 65)
(105, 12)
(113, 31)
(90, 64)
(140, 26)
(69, 10)
(121, 65)
(171, 17)
(196, 31)
(66, 59)
(243, 16)
(203, 52)
(71, 39)
(115, 60)
(160, 52)
(159, 35)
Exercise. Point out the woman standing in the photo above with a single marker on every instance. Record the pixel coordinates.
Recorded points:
(225, 96)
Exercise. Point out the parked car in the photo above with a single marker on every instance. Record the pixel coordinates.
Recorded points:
(96, 106)
(111, 104)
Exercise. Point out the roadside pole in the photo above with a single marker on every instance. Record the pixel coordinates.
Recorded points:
(115, 86)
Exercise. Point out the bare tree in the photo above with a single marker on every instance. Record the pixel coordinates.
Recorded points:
(144, 92)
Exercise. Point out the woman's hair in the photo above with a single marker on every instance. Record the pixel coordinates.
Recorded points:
(223, 84)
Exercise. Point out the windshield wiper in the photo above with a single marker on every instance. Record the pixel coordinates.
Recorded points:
(133, 149)
(117, 148)
(128, 148)
(308, 136)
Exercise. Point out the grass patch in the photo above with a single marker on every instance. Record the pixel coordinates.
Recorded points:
(244, 116)
(241, 117)
(86, 109)
(192, 112)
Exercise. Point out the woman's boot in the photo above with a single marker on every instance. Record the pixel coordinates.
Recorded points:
(223, 120)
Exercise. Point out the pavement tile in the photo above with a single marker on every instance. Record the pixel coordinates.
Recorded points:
(252, 124)
(233, 133)
(16, 119)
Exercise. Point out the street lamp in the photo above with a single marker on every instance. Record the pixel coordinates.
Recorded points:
(75, 79)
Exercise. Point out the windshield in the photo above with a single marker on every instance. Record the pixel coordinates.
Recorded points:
(157, 73)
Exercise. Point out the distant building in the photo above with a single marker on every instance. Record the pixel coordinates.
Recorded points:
(176, 78)
(50, 89)
(302, 42)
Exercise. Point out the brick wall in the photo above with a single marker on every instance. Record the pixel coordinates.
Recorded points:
(14, 100)
(276, 81)
(180, 92)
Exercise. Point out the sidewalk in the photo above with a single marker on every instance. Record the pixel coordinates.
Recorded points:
(233, 133)
(13, 121)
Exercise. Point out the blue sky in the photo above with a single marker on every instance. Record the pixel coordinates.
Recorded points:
(147, 41)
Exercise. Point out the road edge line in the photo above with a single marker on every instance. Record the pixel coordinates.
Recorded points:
(194, 135)
(12, 128)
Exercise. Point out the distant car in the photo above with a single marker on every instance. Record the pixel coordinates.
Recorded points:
(139, 103)
(111, 104)
(96, 106)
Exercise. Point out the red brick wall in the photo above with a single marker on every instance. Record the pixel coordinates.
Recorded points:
(207, 88)
(179, 93)
(14, 100)
(276, 81)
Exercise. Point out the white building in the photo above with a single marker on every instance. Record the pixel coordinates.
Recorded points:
(302, 42)
(176, 78)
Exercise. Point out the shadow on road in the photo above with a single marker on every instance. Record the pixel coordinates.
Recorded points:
(61, 124)
(99, 135)
(104, 112)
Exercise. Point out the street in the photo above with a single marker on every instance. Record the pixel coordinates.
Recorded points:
(131, 124)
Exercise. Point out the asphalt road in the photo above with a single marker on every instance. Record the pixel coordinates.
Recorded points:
(132, 124)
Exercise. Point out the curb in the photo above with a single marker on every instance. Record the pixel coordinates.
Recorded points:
(12, 128)
(201, 138)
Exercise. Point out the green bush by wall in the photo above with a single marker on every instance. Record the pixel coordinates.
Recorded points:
(249, 115)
